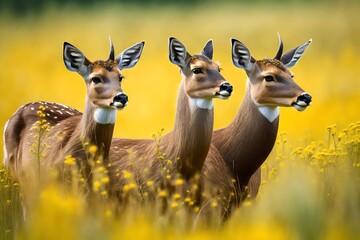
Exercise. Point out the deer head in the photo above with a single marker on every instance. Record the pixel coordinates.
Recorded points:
(103, 78)
(201, 76)
(270, 81)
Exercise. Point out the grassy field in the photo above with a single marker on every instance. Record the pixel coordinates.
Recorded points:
(311, 180)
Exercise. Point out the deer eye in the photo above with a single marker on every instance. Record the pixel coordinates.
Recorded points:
(197, 71)
(269, 78)
(96, 80)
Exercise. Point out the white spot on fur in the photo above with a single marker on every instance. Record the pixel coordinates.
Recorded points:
(70, 113)
(105, 115)
(203, 103)
(270, 113)
(32, 108)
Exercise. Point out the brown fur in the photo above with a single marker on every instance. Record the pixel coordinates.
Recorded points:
(244, 155)
(186, 146)
(248, 140)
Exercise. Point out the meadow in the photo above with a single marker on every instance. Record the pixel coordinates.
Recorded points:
(310, 187)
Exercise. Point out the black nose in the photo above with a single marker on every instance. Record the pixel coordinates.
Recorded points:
(226, 87)
(122, 98)
(305, 98)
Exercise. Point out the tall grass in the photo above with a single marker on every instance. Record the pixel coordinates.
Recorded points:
(309, 192)
(310, 187)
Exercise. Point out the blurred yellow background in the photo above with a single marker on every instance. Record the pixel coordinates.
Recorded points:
(33, 69)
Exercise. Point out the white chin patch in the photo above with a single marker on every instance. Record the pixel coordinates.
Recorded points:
(299, 107)
(224, 93)
(119, 105)
(270, 113)
(105, 115)
(203, 103)
(301, 103)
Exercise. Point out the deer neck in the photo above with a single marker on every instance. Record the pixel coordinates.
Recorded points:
(97, 126)
(249, 138)
(189, 142)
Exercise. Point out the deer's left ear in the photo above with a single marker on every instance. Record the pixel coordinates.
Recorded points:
(208, 49)
(74, 59)
(291, 57)
(129, 57)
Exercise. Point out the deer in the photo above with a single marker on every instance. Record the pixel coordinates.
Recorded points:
(248, 140)
(187, 145)
(71, 132)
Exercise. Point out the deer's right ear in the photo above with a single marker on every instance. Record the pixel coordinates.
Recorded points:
(208, 49)
(177, 52)
(241, 56)
(75, 60)
(130, 56)
(291, 57)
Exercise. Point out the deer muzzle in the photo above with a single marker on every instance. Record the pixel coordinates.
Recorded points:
(120, 100)
(303, 101)
(225, 90)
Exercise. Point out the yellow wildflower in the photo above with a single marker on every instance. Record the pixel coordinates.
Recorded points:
(214, 204)
(105, 180)
(162, 193)
(150, 183)
(174, 205)
(129, 187)
(187, 199)
(127, 174)
(92, 149)
(179, 182)
(69, 160)
(96, 186)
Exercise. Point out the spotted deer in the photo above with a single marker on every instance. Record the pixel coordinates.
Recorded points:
(248, 140)
(70, 131)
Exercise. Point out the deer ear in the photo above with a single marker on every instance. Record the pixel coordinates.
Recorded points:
(208, 49)
(75, 60)
(129, 57)
(177, 52)
(291, 57)
(241, 56)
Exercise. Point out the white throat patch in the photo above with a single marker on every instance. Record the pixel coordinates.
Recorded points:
(270, 113)
(105, 115)
(203, 103)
